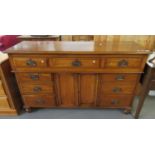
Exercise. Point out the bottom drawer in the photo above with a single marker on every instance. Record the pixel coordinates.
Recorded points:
(115, 101)
(39, 101)
(4, 102)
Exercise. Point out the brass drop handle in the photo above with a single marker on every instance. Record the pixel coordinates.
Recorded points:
(34, 76)
(114, 101)
(31, 63)
(120, 77)
(76, 63)
(37, 89)
(116, 90)
(123, 63)
(39, 101)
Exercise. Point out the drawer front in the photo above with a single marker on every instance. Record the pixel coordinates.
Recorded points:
(39, 100)
(29, 62)
(123, 62)
(115, 101)
(36, 88)
(117, 88)
(2, 92)
(4, 102)
(120, 77)
(75, 62)
(34, 77)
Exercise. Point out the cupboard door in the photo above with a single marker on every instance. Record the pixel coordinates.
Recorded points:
(67, 89)
(88, 84)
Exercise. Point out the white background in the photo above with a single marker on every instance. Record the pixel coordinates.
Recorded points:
(77, 137)
(77, 17)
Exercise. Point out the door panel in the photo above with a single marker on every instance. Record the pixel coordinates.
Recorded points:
(67, 89)
(88, 89)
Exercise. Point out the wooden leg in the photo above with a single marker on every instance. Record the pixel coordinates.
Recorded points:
(140, 105)
(145, 90)
(127, 110)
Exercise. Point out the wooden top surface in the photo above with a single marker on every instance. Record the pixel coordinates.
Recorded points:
(77, 47)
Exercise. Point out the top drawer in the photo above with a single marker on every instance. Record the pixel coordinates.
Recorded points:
(122, 62)
(75, 62)
(29, 62)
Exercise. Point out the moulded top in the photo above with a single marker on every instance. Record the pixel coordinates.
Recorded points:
(78, 47)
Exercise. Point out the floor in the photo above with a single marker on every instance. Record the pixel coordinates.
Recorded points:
(148, 112)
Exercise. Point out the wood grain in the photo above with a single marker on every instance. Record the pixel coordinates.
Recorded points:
(115, 62)
(31, 88)
(68, 62)
(34, 77)
(67, 90)
(39, 101)
(70, 47)
(109, 88)
(123, 78)
(115, 101)
(87, 90)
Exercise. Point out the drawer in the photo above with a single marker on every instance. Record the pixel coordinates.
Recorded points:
(39, 101)
(34, 77)
(29, 62)
(2, 92)
(122, 62)
(75, 62)
(118, 101)
(36, 88)
(120, 77)
(117, 88)
(4, 102)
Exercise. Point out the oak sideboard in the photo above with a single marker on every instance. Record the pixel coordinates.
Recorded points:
(65, 74)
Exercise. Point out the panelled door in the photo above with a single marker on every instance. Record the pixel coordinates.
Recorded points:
(76, 90)
(88, 84)
(66, 89)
